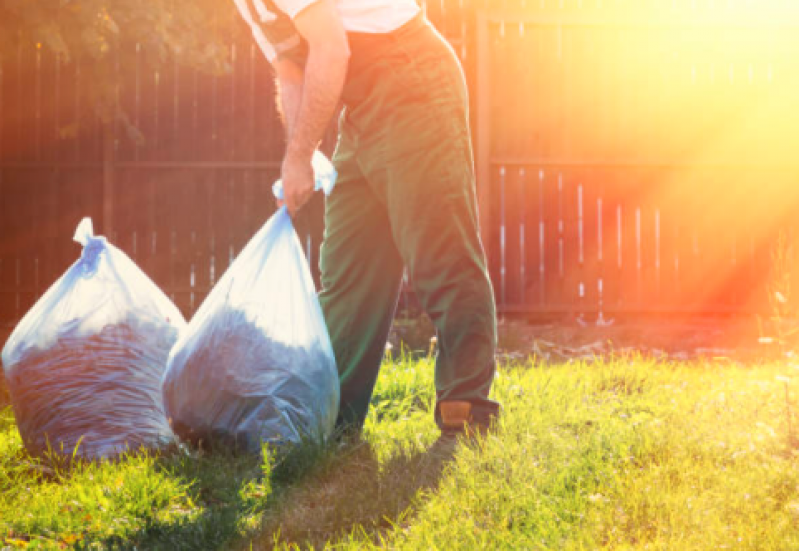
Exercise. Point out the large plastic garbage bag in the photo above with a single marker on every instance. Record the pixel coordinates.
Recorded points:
(84, 366)
(256, 364)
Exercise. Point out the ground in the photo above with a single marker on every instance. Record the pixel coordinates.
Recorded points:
(626, 451)
(565, 338)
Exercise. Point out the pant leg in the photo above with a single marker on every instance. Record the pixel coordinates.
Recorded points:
(361, 276)
(415, 151)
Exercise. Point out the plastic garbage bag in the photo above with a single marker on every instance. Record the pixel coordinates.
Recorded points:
(85, 364)
(256, 364)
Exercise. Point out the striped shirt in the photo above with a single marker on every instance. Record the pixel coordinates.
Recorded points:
(270, 20)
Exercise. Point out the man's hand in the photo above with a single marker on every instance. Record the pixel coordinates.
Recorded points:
(298, 181)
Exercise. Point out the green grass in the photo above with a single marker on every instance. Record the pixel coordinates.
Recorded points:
(621, 454)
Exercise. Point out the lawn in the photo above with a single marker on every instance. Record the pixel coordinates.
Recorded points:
(624, 453)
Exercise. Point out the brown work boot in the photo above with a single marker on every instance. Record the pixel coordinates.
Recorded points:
(458, 422)
(456, 415)
(456, 418)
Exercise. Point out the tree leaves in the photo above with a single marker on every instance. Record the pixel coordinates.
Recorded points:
(102, 32)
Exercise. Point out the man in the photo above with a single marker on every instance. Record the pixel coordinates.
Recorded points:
(405, 191)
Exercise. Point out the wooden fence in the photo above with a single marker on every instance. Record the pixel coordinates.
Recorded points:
(603, 183)
(636, 156)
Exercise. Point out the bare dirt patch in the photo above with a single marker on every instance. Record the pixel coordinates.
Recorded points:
(736, 338)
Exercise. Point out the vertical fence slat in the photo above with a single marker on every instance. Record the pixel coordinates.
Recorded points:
(548, 240)
(483, 133)
(7, 262)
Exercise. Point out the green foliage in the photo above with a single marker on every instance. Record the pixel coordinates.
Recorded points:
(104, 35)
(95, 29)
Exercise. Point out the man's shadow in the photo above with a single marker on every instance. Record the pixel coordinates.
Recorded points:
(309, 503)
(354, 493)
(213, 483)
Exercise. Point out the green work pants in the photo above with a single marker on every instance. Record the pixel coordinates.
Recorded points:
(405, 197)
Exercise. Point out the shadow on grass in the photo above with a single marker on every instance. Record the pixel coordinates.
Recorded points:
(354, 497)
(219, 500)
(206, 516)
(217, 484)
(228, 493)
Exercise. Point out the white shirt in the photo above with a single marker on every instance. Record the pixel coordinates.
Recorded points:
(362, 16)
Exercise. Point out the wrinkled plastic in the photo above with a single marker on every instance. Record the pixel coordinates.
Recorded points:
(256, 364)
(85, 364)
(324, 176)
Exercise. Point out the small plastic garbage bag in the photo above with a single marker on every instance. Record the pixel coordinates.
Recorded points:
(256, 364)
(84, 366)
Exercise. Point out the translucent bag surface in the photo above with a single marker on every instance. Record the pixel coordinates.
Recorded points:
(256, 364)
(84, 366)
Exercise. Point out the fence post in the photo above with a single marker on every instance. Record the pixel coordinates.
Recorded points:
(108, 179)
(484, 130)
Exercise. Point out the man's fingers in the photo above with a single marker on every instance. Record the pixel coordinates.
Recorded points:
(296, 201)
(294, 205)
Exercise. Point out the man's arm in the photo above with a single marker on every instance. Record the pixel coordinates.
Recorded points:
(290, 78)
(310, 102)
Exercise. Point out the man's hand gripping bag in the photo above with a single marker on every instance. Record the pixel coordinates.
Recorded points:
(84, 366)
(256, 364)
